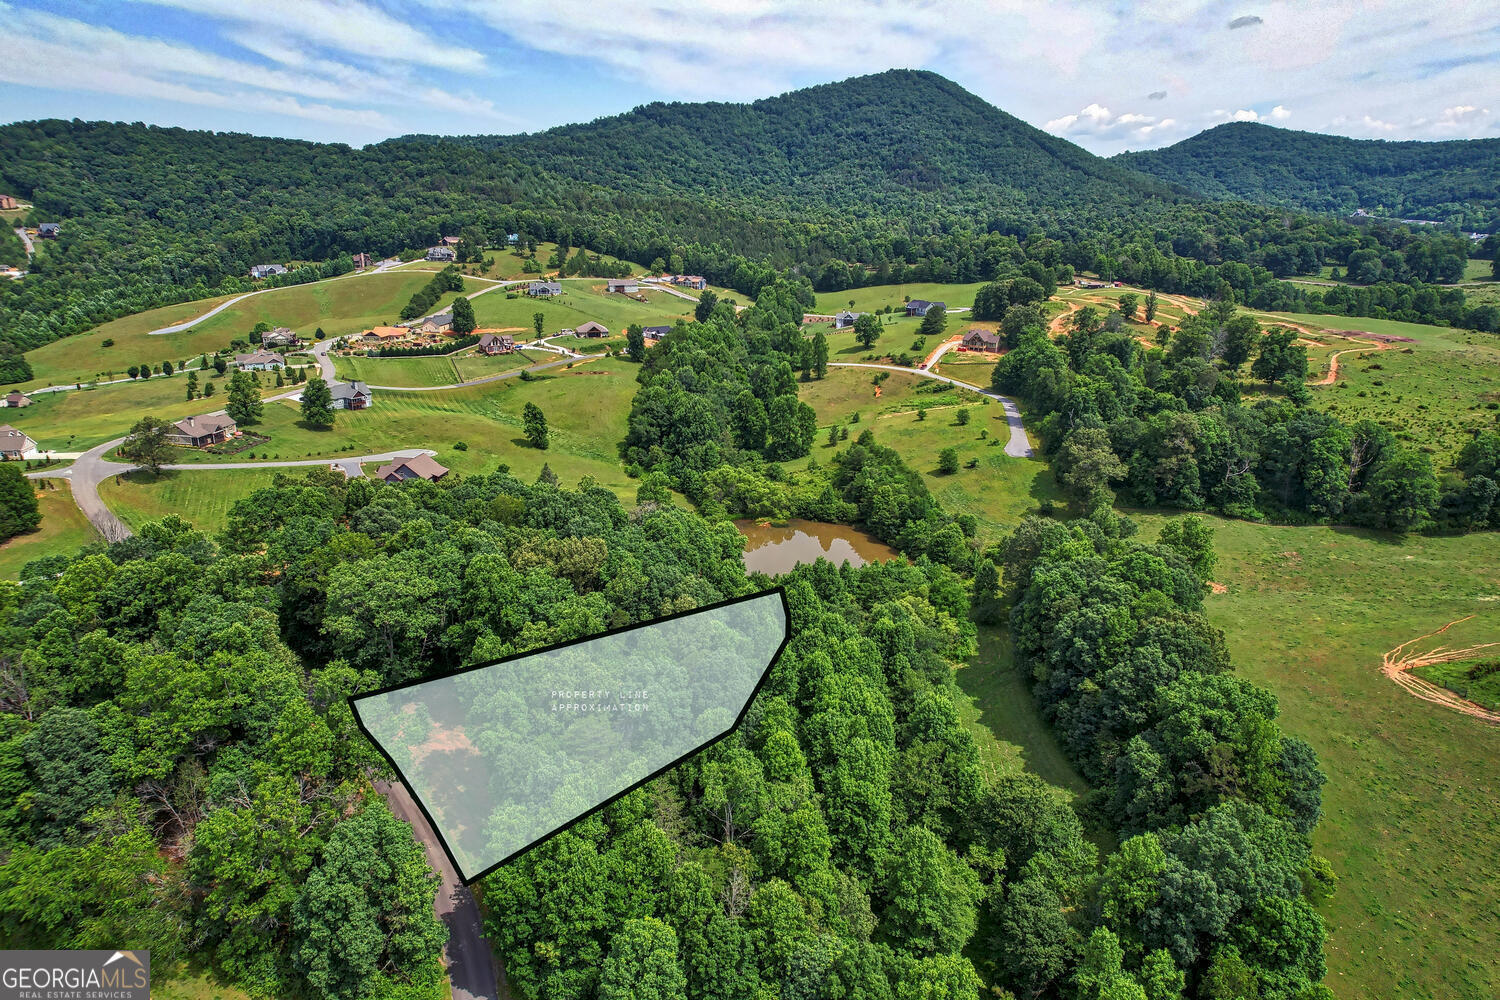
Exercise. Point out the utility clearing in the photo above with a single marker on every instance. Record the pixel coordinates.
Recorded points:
(1398, 664)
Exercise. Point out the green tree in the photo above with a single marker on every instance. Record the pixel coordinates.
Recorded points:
(820, 354)
(642, 964)
(147, 443)
(1151, 306)
(534, 424)
(317, 403)
(192, 386)
(538, 322)
(166, 368)
(705, 306)
(935, 321)
(932, 895)
(463, 316)
(635, 342)
(962, 417)
(244, 405)
(1087, 462)
(1129, 302)
(1194, 538)
(948, 461)
(18, 506)
(867, 330)
(1281, 358)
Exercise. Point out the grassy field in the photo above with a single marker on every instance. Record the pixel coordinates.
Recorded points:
(339, 306)
(398, 371)
(63, 531)
(583, 299)
(79, 419)
(879, 296)
(1483, 689)
(203, 498)
(1478, 270)
(1412, 806)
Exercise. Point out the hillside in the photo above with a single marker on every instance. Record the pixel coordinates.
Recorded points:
(905, 141)
(1455, 181)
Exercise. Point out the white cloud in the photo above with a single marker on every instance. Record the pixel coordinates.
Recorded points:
(1280, 113)
(1098, 121)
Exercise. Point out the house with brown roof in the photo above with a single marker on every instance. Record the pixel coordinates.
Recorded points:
(496, 343)
(200, 432)
(8, 202)
(361, 261)
(419, 467)
(982, 340)
(591, 329)
(18, 399)
(280, 337)
(384, 334)
(13, 444)
(627, 286)
(450, 241)
(259, 361)
(690, 280)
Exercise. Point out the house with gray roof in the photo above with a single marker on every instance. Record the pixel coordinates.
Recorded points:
(260, 271)
(351, 396)
(544, 289)
(14, 444)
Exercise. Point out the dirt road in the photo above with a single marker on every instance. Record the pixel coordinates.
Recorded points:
(1017, 447)
(1399, 663)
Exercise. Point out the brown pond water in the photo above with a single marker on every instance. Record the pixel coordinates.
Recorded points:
(771, 549)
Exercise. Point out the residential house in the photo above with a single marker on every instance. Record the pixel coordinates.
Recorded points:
(627, 286)
(351, 396)
(8, 202)
(361, 261)
(450, 241)
(259, 361)
(655, 333)
(441, 253)
(200, 432)
(512, 238)
(919, 307)
(260, 271)
(544, 289)
(382, 335)
(14, 444)
(591, 329)
(280, 337)
(17, 399)
(438, 323)
(982, 340)
(844, 318)
(48, 231)
(417, 467)
(496, 343)
(690, 280)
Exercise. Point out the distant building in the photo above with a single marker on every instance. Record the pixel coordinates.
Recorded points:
(351, 396)
(361, 261)
(512, 238)
(438, 323)
(417, 467)
(656, 332)
(450, 241)
(845, 318)
(13, 444)
(259, 361)
(17, 399)
(8, 202)
(496, 343)
(279, 337)
(919, 307)
(544, 289)
(628, 286)
(441, 253)
(982, 340)
(591, 329)
(48, 231)
(384, 334)
(690, 280)
(200, 432)
(260, 271)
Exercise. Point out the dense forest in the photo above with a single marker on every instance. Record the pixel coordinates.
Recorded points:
(1454, 182)
(897, 177)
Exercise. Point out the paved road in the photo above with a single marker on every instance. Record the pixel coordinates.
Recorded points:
(26, 241)
(1018, 446)
(473, 973)
(179, 327)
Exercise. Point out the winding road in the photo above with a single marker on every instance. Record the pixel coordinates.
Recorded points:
(1017, 447)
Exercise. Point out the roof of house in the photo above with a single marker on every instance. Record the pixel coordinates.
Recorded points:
(345, 390)
(937, 305)
(622, 281)
(845, 312)
(592, 327)
(984, 336)
(16, 396)
(440, 319)
(48, 227)
(451, 241)
(207, 423)
(657, 331)
(486, 339)
(421, 465)
(12, 439)
(258, 358)
(387, 332)
(555, 287)
(918, 304)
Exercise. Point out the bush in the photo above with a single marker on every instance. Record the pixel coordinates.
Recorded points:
(460, 446)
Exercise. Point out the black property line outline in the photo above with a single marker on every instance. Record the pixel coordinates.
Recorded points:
(786, 637)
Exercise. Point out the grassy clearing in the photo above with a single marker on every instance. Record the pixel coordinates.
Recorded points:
(583, 299)
(63, 531)
(203, 498)
(79, 419)
(472, 366)
(879, 296)
(1478, 270)
(1411, 811)
(398, 371)
(340, 305)
(1481, 687)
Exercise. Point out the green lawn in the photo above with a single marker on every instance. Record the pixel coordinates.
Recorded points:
(79, 419)
(340, 306)
(1456, 677)
(878, 296)
(398, 371)
(203, 498)
(472, 366)
(63, 531)
(583, 299)
(1478, 270)
(1412, 806)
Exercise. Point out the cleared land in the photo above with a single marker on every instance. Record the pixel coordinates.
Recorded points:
(63, 531)
(202, 498)
(583, 299)
(340, 306)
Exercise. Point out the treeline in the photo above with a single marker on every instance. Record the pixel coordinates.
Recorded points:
(1167, 427)
(447, 280)
(1213, 891)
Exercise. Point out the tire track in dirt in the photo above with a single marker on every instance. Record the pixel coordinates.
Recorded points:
(1398, 664)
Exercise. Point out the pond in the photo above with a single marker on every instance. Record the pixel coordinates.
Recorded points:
(773, 550)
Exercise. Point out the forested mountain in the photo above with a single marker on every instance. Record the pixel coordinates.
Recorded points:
(902, 176)
(1457, 181)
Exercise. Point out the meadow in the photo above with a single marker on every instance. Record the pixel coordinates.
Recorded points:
(434, 371)
(63, 531)
(583, 299)
(340, 306)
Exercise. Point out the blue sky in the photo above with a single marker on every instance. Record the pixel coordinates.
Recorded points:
(1108, 75)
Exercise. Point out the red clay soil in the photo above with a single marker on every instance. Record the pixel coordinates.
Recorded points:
(1399, 663)
(1333, 359)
